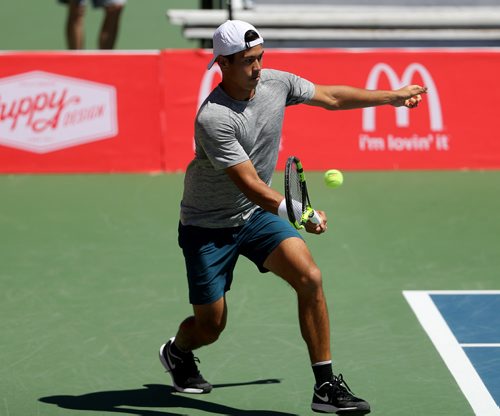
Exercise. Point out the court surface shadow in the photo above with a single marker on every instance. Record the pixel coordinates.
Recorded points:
(146, 401)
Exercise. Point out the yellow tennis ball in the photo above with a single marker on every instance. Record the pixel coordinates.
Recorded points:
(334, 178)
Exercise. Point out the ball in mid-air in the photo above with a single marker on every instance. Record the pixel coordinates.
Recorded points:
(333, 178)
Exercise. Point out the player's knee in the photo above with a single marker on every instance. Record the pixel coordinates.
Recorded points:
(211, 331)
(311, 281)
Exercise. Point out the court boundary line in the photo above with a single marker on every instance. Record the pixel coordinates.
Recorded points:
(450, 350)
(480, 345)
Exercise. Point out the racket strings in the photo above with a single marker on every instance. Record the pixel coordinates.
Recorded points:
(296, 192)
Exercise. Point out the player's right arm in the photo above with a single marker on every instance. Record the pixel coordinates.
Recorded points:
(253, 187)
(256, 190)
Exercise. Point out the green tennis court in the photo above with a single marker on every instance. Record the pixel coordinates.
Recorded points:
(92, 282)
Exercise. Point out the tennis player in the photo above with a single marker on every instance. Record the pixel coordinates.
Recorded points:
(228, 208)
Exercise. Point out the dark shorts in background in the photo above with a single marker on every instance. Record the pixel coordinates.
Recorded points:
(211, 253)
(97, 3)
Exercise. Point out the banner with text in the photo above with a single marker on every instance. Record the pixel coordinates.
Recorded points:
(453, 128)
(80, 112)
(134, 112)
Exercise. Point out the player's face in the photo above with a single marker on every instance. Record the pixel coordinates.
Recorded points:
(244, 72)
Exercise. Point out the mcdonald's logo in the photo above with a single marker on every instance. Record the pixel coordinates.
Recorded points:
(402, 113)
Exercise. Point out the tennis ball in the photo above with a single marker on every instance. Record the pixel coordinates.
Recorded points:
(333, 178)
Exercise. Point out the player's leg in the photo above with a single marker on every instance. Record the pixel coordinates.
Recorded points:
(274, 245)
(210, 256)
(203, 328)
(292, 261)
(74, 25)
(110, 26)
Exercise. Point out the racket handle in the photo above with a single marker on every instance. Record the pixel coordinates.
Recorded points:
(315, 218)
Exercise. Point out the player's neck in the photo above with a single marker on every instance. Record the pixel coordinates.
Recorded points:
(237, 93)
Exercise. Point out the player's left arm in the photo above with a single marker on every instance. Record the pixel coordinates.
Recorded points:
(344, 97)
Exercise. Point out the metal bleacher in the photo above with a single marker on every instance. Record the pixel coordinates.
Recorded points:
(346, 25)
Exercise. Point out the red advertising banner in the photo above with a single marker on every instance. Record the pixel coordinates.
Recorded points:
(453, 128)
(134, 112)
(80, 112)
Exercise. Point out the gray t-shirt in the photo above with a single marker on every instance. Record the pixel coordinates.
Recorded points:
(229, 132)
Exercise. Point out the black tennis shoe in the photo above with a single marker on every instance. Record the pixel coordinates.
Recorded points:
(185, 375)
(336, 397)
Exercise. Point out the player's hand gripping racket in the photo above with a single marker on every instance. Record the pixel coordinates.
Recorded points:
(298, 205)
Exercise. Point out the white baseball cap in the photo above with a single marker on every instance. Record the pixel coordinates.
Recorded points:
(229, 38)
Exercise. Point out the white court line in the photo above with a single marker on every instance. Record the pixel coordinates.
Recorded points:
(451, 352)
(483, 345)
(457, 292)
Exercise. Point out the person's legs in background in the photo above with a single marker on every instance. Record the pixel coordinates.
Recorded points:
(74, 25)
(110, 26)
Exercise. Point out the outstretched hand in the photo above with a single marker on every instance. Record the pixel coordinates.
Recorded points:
(409, 96)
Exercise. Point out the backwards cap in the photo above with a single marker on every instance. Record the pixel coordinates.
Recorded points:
(229, 38)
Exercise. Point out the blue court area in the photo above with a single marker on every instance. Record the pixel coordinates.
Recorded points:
(474, 320)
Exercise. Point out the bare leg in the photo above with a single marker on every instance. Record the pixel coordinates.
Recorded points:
(74, 26)
(110, 25)
(204, 327)
(292, 261)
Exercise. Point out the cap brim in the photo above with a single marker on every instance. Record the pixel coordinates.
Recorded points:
(212, 62)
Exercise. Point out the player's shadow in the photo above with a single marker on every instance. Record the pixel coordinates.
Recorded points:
(142, 401)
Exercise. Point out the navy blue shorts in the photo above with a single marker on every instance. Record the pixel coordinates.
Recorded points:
(211, 253)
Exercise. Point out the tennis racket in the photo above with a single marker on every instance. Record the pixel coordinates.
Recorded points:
(298, 205)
